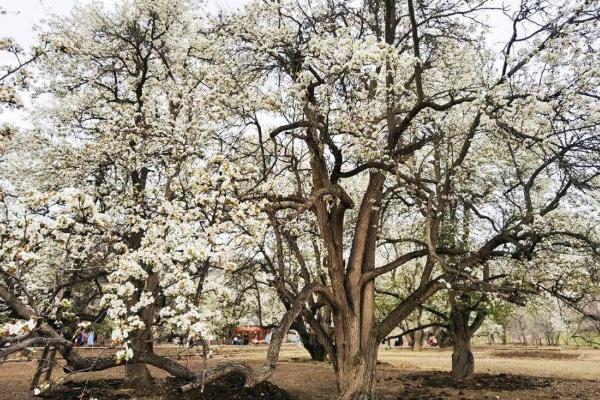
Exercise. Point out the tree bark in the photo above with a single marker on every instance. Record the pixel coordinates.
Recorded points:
(316, 350)
(310, 341)
(418, 341)
(444, 339)
(463, 363)
(356, 375)
(42, 364)
(410, 338)
(138, 376)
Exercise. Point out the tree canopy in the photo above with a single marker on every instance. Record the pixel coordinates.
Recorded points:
(341, 154)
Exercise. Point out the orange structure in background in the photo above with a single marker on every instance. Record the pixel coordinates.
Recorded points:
(253, 332)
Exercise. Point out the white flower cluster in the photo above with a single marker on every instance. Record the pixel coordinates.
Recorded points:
(17, 327)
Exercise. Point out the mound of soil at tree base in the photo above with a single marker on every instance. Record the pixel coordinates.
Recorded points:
(548, 354)
(507, 382)
(230, 387)
(428, 385)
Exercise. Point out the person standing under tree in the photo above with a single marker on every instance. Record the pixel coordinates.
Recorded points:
(79, 338)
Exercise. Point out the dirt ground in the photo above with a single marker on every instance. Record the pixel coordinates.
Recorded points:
(501, 373)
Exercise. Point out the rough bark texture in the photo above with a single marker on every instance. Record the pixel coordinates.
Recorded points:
(463, 363)
(356, 377)
(310, 341)
(348, 248)
(137, 375)
(45, 335)
(315, 349)
(417, 342)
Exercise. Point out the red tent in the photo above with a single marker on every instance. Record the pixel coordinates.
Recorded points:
(253, 332)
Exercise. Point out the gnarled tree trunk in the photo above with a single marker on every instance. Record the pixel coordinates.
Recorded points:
(356, 374)
(138, 376)
(463, 362)
(315, 349)
(310, 341)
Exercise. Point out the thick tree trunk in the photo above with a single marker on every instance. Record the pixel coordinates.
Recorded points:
(418, 341)
(463, 363)
(356, 376)
(313, 346)
(316, 350)
(310, 341)
(137, 376)
(444, 339)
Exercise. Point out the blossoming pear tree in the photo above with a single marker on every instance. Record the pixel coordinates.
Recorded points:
(332, 144)
(389, 115)
(135, 209)
(14, 76)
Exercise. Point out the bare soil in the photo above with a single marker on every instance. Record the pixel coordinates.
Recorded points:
(402, 374)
